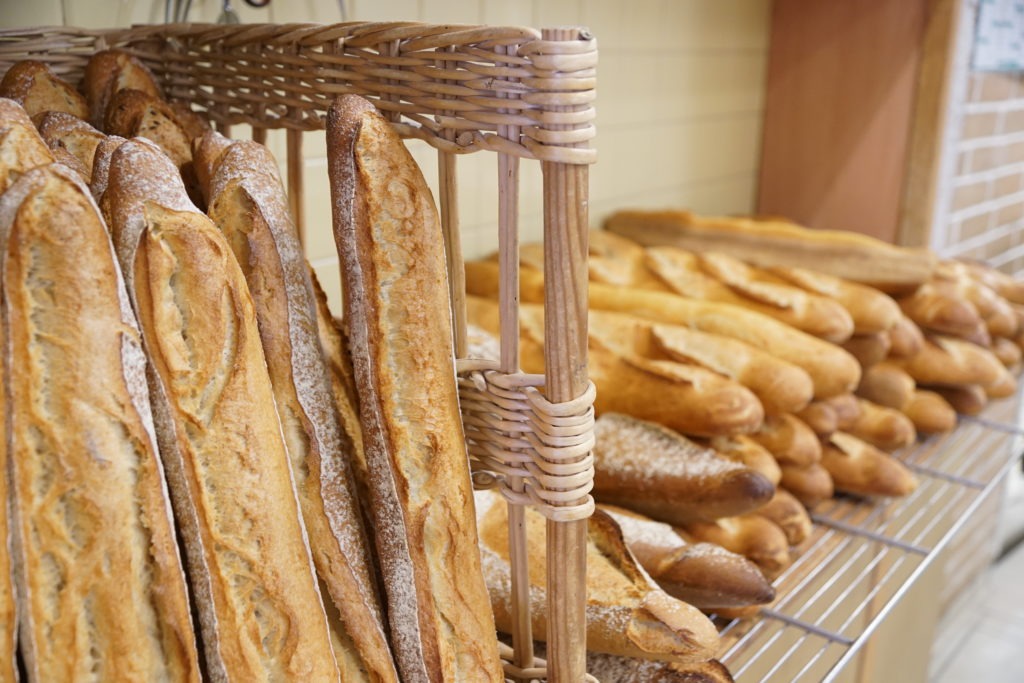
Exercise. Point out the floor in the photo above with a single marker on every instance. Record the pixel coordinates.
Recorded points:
(992, 650)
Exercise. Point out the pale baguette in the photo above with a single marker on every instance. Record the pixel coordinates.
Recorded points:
(389, 242)
(249, 560)
(101, 587)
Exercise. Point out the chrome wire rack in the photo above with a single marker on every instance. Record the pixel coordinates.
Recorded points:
(864, 556)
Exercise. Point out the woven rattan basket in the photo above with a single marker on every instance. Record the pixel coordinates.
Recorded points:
(516, 92)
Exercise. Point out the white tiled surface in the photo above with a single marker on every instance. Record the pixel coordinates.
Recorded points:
(680, 99)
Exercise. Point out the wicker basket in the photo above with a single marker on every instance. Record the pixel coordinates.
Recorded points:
(516, 92)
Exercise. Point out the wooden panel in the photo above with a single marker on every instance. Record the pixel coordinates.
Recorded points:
(840, 93)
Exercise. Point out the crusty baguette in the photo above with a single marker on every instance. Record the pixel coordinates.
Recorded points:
(653, 470)
(939, 308)
(858, 467)
(789, 514)
(1003, 387)
(872, 311)
(744, 450)
(35, 87)
(396, 305)
(21, 148)
(250, 564)
(101, 587)
(810, 485)
(249, 205)
(847, 408)
(883, 427)
(101, 165)
(758, 539)
(996, 312)
(820, 417)
(832, 370)
(930, 413)
(704, 575)
(1002, 283)
(611, 259)
(905, 338)
(207, 151)
(606, 667)
(950, 361)
(1008, 353)
(776, 243)
(64, 131)
(869, 349)
(107, 73)
(626, 614)
(968, 399)
(193, 123)
(789, 440)
(887, 385)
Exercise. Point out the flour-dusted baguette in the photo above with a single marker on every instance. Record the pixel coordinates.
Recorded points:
(35, 87)
(887, 385)
(789, 440)
(858, 467)
(101, 165)
(626, 613)
(249, 205)
(744, 450)
(64, 131)
(930, 413)
(872, 311)
(650, 469)
(789, 514)
(396, 306)
(107, 73)
(21, 148)
(883, 427)
(704, 575)
(606, 667)
(101, 588)
(249, 560)
(832, 370)
(758, 539)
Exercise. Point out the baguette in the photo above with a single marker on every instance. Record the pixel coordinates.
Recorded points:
(887, 385)
(101, 165)
(107, 73)
(996, 312)
(250, 565)
(847, 408)
(872, 311)
(905, 339)
(21, 148)
(101, 587)
(396, 305)
(869, 349)
(207, 152)
(937, 307)
(858, 467)
(759, 540)
(638, 670)
(832, 370)
(67, 132)
(1008, 353)
(789, 514)
(35, 87)
(810, 485)
(704, 575)
(883, 427)
(1003, 387)
(248, 204)
(820, 417)
(968, 399)
(744, 450)
(789, 440)
(655, 471)
(776, 243)
(1003, 284)
(930, 413)
(626, 613)
(951, 361)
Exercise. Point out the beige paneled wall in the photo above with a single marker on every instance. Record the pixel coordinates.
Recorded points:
(680, 98)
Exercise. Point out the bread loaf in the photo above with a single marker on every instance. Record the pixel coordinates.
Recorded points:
(759, 540)
(101, 589)
(858, 467)
(905, 338)
(744, 450)
(250, 564)
(249, 205)
(67, 132)
(655, 471)
(1003, 387)
(968, 399)
(107, 73)
(887, 385)
(872, 311)
(885, 428)
(847, 408)
(789, 514)
(101, 165)
(820, 417)
(35, 87)
(996, 312)
(869, 349)
(627, 614)
(941, 309)
(950, 361)
(810, 484)
(777, 243)
(704, 575)
(207, 151)
(789, 440)
(638, 670)
(1008, 353)
(930, 413)
(396, 305)
(1002, 283)
(21, 148)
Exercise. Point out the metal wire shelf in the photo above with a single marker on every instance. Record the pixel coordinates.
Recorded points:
(864, 555)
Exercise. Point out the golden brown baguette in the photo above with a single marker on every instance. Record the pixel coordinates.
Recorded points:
(950, 361)
(1003, 387)
(758, 539)
(937, 307)
(718, 277)
(789, 514)
(869, 349)
(744, 450)
(612, 260)
(872, 311)
(101, 587)
(820, 417)
(1002, 283)
(64, 131)
(789, 440)
(655, 471)
(905, 338)
(858, 467)
(810, 485)
(396, 305)
(704, 575)
(35, 87)
(930, 413)
(107, 73)
(1008, 353)
(638, 670)
(832, 370)
(8, 607)
(996, 312)
(21, 148)
(887, 385)
(968, 399)
(193, 123)
(883, 427)
(249, 560)
(776, 243)
(847, 408)
(627, 613)
(249, 205)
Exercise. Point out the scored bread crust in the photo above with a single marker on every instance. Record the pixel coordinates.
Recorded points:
(396, 306)
(102, 588)
(110, 71)
(35, 87)
(232, 488)
(248, 204)
(64, 131)
(21, 148)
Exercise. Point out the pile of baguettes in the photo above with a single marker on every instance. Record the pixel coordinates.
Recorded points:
(208, 477)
